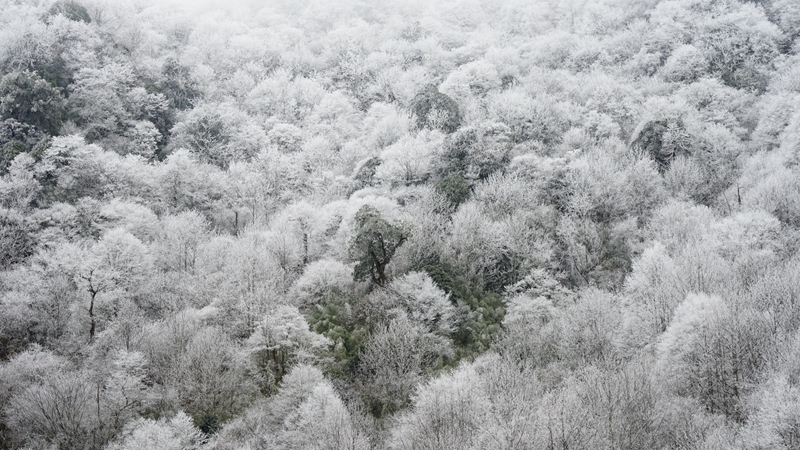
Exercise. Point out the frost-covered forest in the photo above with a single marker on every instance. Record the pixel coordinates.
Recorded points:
(373, 224)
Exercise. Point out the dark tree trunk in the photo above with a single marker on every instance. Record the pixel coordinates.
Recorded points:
(92, 320)
(305, 249)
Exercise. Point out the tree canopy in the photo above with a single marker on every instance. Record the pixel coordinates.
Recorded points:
(447, 224)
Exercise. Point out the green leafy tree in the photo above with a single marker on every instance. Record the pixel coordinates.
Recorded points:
(219, 134)
(336, 320)
(374, 244)
(476, 151)
(70, 9)
(663, 140)
(455, 188)
(17, 237)
(479, 314)
(109, 105)
(28, 98)
(435, 110)
(366, 171)
(178, 85)
(8, 152)
(12, 130)
(591, 254)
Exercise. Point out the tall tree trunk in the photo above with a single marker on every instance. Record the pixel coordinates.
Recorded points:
(92, 320)
(305, 249)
